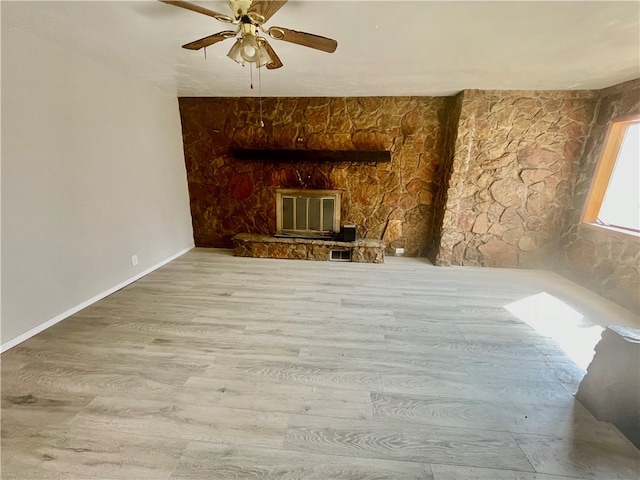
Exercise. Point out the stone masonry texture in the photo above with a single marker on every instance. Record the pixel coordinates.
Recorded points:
(389, 201)
(599, 260)
(514, 161)
(483, 178)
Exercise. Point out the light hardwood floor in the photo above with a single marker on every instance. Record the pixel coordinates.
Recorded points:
(217, 367)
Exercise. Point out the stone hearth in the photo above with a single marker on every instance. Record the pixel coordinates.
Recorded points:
(365, 250)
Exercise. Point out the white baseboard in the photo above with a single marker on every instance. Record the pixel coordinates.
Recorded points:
(43, 326)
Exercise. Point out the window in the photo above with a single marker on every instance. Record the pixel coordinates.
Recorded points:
(614, 199)
(307, 212)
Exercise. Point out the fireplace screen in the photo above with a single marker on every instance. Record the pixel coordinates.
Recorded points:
(307, 212)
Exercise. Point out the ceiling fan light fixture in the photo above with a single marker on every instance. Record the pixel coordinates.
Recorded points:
(249, 49)
(263, 55)
(234, 53)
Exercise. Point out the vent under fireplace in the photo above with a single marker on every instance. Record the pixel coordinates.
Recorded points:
(340, 255)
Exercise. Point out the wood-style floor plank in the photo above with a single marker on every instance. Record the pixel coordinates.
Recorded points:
(405, 442)
(67, 451)
(168, 419)
(222, 462)
(594, 458)
(277, 397)
(456, 472)
(301, 373)
(453, 385)
(217, 367)
(572, 420)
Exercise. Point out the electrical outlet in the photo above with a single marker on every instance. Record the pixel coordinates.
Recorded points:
(399, 251)
(134, 260)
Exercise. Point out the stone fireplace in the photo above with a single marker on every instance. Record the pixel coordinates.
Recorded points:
(308, 228)
(389, 197)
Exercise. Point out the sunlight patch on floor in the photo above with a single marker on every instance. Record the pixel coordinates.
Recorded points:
(553, 318)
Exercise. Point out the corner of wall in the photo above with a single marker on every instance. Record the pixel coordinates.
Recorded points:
(58, 318)
(443, 245)
(603, 262)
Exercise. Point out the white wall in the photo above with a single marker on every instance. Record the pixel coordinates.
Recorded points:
(92, 173)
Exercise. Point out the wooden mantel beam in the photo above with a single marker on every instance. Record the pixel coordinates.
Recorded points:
(311, 155)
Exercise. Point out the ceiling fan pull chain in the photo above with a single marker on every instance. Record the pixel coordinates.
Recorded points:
(251, 73)
(205, 53)
(260, 95)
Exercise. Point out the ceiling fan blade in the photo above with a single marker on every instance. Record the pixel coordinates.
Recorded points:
(305, 39)
(265, 8)
(197, 8)
(275, 60)
(210, 40)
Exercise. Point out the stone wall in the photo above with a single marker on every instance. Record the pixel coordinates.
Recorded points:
(485, 178)
(512, 169)
(603, 261)
(390, 201)
(440, 201)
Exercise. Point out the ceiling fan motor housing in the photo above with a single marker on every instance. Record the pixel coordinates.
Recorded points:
(240, 7)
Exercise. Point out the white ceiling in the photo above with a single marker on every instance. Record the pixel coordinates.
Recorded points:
(384, 47)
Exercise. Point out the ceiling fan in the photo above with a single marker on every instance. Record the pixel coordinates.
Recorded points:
(249, 17)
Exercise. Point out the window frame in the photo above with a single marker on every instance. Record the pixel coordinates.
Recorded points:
(602, 176)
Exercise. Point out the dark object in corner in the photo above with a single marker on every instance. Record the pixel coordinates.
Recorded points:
(349, 233)
(611, 388)
(311, 155)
